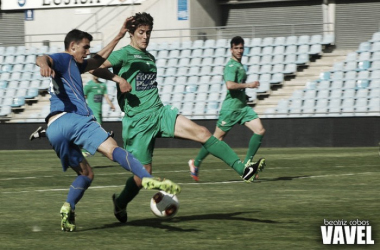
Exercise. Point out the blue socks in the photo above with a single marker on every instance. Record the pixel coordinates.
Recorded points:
(130, 163)
(77, 189)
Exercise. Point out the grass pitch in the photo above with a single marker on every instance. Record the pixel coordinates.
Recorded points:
(284, 209)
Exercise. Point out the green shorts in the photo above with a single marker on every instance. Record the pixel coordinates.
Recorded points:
(141, 131)
(228, 118)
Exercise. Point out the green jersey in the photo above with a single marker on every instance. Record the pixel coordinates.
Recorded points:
(235, 99)
(139, 69)
(95, 92)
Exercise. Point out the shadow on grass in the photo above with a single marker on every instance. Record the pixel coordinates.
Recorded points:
(109, 166)
(284, 178)
(163, 224)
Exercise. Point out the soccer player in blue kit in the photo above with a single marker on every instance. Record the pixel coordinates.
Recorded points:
(72, 126)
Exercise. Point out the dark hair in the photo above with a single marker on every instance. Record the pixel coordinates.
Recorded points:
(139, 20)
(76, 35)
(236, 40)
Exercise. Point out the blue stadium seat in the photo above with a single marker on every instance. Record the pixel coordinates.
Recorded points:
(328, 39)
(351, 56)
(291, 58)
(291, 49)
(255, 51)
(375, 46)
(303, 40)
(364, 46)
(255, 42)
(185, 45)
(278, 59)
(174, 53)
(221, 61)
(174, 45)
(361, 84)
(291, 40)
(315, 39)
(365, 56)
(220, 52)
(209, 52)
(290, 69)
(197, 44)
(375, 37)
(210, 43)
(18, 101)
(279, 41)
(277, 78)
(315, 49)
(11, 50)
(279, 50)
(266, 68)
(197, 53)
(5, 110)
(172, 62)
(267, 41)
(266, 59)
(222, 43)
(163, 46)
(184, 62)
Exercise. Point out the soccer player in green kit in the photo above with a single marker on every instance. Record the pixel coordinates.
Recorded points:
(94, 92)
(146, 118)
(235, 109)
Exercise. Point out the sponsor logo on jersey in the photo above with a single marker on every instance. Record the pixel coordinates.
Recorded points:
(146, 81)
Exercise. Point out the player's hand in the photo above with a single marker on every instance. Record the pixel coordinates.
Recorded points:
(253, 85)
(125, 87)
(127, 22)
(46, 71)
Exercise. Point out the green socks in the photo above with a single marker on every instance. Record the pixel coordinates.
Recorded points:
(222, 151)
(253, 146)
(203, 153)
(129, 192)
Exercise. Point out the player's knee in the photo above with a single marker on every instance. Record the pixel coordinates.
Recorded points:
(260, 131)
(203, 134)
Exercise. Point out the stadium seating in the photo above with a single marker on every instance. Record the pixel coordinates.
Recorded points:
(193, 71)
(350, 88)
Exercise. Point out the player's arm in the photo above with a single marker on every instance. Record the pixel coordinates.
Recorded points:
(103, 54)
(234, 85)
(109, 102)
(45, 63)
(104, 73)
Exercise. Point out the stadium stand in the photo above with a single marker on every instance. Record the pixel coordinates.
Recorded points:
(350, 88)
(193, 71)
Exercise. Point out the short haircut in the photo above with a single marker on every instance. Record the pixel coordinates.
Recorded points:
(236, 40)
(76, 36)
(139, 20)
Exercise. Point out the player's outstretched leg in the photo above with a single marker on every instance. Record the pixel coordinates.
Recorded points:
(193, 170)
(165, 185)
(67, 218)
(251, 170)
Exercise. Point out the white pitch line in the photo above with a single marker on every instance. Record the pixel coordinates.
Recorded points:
(192, 183)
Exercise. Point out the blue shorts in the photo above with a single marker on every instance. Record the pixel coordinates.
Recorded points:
(71, 132)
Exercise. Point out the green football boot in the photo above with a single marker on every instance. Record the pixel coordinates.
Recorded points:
(67, 218)
(165, 185)
(252, 169)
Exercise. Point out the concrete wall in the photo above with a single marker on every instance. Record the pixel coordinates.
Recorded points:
(284, 132)
(102, 23)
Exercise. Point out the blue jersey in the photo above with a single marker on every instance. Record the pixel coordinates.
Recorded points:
(66, 88)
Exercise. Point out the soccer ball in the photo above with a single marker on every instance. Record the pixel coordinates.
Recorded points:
(164, 205)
